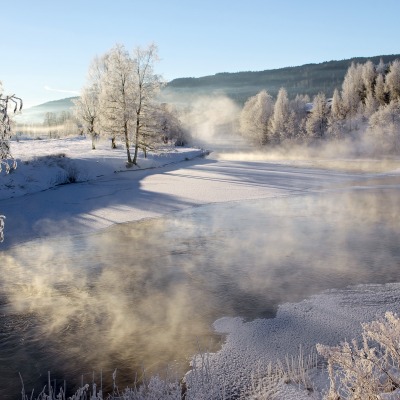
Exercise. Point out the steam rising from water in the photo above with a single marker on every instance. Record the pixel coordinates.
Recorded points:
(145, 293)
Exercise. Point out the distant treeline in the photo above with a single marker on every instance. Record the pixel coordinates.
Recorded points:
(366, 107)
(308, 79)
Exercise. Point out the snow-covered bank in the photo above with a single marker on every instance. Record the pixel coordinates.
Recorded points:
(43, 164)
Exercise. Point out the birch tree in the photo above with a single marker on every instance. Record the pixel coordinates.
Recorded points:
(147, 86)
(88, 111)
(127, 90)
(117, 96)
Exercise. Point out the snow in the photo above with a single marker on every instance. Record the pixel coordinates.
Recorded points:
(37, 202)
(109, 193)
(327, 318)
(43, 164)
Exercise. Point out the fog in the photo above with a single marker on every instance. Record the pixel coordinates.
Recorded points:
(212, 122)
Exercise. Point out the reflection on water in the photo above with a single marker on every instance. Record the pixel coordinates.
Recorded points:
(146, 293)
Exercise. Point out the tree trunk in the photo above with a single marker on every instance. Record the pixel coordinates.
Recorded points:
(128, 153)
(92, 135)
(137, 138)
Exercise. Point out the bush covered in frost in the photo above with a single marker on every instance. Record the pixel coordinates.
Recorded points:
(366, 370)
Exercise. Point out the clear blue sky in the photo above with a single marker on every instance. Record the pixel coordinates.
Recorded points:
(48, 45)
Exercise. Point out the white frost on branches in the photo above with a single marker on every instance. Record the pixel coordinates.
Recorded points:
(370, 370)
(6, 160)
(2, 218)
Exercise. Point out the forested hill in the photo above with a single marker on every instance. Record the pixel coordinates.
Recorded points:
(305, 79)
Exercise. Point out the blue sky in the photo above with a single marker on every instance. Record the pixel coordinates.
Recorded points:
(50, 43)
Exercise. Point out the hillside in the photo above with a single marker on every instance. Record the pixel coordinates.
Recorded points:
(239, 86)
(35, 115)
(305, 79)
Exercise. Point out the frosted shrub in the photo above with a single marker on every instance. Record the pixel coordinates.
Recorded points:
(2, 218)
(370, 370)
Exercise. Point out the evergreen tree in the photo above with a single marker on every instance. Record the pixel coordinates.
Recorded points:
(280, 117)
(380, 90)
(393, 80)
(369, 77)
(318, 119)
(353, 90)
(336, 116)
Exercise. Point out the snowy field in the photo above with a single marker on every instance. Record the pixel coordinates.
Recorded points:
(62, 187)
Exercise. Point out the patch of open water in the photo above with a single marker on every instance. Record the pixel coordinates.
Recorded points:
(145, 294)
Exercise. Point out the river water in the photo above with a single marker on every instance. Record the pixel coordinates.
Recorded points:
(145, 294)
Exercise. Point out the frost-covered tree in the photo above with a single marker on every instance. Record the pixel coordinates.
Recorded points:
(254, 118)
(393, 80)
(298, 115)
(336, 116)
(381, 67)
(128, 87)
(380, 90)
(170, 125)
(280, 117)
(7, 162)
(368, 77)
(117, 96)
(371, 105)
(87, 108)
(317, 121)
(7, 102)
(147, 86)
(353, 93)
(384, 125)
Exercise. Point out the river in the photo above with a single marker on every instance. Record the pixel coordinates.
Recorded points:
(144, 295)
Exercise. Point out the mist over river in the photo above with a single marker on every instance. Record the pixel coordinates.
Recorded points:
(145, 294)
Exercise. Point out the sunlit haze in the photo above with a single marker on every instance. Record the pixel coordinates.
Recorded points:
(50, 44)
